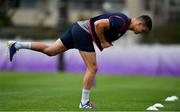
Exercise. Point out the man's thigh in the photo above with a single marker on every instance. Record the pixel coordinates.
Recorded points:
(89, 58)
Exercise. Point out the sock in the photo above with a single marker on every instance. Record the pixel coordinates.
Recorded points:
(85, 96)
(23, 45)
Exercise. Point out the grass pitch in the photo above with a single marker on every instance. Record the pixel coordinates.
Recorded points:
(62, 92)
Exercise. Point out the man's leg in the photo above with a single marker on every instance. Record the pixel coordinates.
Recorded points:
(90, 61)
(51, 50)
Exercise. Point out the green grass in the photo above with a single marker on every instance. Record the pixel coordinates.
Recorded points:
(62, 92)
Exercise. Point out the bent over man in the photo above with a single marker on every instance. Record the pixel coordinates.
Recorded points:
(102, 30)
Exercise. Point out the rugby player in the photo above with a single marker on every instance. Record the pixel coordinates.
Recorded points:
(102, 30)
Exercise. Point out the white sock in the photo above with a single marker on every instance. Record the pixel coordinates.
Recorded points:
(23, 45)
(85, 96)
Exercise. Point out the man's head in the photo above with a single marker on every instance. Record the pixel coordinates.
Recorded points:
(141, 24)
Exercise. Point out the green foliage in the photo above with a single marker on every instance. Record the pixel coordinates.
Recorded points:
(165, 34)
(30, 33)
(4, 20)
(8, 31)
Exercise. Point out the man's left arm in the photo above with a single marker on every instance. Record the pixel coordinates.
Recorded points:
(101, 26)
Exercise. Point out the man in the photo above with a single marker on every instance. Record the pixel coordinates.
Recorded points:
(103, 30)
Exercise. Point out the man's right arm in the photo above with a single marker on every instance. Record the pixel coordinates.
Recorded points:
(100, 27)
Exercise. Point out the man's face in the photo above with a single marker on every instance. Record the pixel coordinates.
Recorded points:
(140, 28)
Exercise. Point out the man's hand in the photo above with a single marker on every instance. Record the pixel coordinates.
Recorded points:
(105, 45)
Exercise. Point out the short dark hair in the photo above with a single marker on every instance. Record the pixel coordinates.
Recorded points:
(147, 21)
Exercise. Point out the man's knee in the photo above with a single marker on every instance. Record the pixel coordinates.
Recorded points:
(49, 52)
(93, 68)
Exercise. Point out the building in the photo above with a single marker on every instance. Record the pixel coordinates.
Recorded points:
(46, 13)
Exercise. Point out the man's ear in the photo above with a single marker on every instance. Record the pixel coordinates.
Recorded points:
(139, 23)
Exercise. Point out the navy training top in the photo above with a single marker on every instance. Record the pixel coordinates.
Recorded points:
(119, 24)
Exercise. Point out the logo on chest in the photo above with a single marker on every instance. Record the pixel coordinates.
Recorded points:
(119, 34)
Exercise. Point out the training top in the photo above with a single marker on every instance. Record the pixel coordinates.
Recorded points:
(119, 24)
(84, 25)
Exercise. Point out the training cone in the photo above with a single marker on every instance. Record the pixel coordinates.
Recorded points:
(175, 97)
(151, 108)
(158, 105)
(170, 99)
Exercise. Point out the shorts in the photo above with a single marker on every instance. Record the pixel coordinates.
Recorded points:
(77, 37)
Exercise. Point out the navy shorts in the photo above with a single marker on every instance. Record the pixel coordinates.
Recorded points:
(77, 37)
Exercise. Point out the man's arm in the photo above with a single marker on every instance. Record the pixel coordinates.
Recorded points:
(100, 27)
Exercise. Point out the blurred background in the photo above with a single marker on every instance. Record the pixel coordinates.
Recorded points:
(154, 53)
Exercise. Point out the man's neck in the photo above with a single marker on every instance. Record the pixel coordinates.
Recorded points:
(131, 26)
